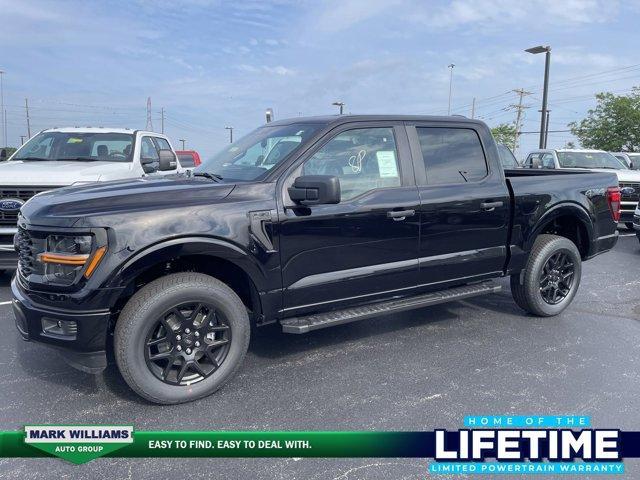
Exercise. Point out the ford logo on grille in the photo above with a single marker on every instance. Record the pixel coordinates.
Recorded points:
(10, 205)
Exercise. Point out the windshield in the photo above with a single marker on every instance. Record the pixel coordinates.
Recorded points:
(251, 157)
(590, 160)
(506, 157)
(106, 147)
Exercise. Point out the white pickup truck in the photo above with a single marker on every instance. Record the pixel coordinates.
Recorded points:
(60, 157)
(596, 161)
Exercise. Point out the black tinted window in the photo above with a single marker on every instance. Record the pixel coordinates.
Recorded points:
(451, 155)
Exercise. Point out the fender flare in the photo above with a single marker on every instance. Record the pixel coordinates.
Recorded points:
(559, 210)
(167, 250)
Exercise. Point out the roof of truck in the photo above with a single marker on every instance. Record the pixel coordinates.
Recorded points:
(337, 119)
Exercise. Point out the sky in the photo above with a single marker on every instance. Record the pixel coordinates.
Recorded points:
(211, 64)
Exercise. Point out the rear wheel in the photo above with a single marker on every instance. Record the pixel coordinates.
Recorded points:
(629, 225)
(181, 337)
(551, 277)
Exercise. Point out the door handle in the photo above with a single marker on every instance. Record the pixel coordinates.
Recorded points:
(490, 206)
(399, 215)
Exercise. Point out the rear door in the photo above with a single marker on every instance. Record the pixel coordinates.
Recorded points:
(365, 247)
(464, 203)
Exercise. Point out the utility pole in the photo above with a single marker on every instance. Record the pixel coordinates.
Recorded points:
(22, 139)
(519, 109)
(450, 66)
(182, 140)
(149, 126)
(473, 108)
(340, 105)
(230, 133)
(269, 114)
(162, 120)
(4, 121)
(26, 107)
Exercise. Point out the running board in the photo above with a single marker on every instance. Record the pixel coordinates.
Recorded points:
(338, 317)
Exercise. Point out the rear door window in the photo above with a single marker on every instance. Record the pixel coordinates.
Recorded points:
(451, 155)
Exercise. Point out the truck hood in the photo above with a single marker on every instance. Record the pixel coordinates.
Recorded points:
(60, 172)
(100, 204)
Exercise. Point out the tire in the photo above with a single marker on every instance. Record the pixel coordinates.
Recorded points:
(160, 307)
(629, 225)
(529, 295)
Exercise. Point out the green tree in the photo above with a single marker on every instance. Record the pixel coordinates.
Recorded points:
(504, 133)
(614, 124)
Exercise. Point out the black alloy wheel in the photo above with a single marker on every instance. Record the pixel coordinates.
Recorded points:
(187, 343)
(556, 278)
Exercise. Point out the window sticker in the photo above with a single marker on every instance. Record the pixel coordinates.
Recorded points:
(387, 163)
(74, 140)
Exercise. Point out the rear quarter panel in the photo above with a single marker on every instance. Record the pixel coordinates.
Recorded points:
(540, 196)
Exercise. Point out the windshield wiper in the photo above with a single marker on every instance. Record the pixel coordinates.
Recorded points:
(35, 159)
(211, 176)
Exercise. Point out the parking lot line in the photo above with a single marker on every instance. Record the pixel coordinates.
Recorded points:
(5, 303)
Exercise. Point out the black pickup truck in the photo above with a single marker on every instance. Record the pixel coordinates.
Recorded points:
(309, 222)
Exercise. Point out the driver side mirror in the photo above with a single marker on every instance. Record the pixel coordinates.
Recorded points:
(168, 160)
(315, 190)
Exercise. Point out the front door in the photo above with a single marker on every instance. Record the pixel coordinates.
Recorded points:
(365, 247)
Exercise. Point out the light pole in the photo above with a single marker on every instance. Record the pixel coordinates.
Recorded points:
(450, 66)
(269, 114)
(230, 133)
(545, 90)
(182, 140)
(340, 105)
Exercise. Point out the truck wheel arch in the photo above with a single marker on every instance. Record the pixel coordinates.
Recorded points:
(568, 220)
(217, 258)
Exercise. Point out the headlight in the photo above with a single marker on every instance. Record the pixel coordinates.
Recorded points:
(66, 256)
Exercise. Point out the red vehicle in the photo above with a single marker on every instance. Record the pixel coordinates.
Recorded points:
(188, 158)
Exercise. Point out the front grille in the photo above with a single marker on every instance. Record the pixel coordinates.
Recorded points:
(17, 193)
(635, 196)
(26, 252)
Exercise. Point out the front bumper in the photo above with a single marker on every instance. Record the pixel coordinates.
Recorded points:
(83, 346)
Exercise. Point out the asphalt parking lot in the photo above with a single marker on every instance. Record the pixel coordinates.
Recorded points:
(412, 371)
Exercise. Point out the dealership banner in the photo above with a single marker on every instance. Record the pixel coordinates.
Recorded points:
(487, 444)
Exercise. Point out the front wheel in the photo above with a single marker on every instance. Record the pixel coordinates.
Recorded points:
(181, 337)
(629, 225)
(551, 276)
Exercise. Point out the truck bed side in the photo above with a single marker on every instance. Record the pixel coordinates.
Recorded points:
(572, 204)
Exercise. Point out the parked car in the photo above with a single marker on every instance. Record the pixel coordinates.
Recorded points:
(507, 158)
(365, 215)
(59, 157)
(595, 161)
(188, 158)
(631, 160)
